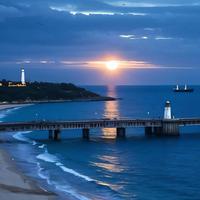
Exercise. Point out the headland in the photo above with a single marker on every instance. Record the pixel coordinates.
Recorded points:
(45, 92)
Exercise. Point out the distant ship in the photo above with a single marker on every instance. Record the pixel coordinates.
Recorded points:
(185, 89)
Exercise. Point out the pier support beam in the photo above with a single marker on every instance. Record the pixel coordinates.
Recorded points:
(86, 133)
(56, 135)
(170, 129)
(148, 130)
(121, 132)
(157, 131)
(50, 134)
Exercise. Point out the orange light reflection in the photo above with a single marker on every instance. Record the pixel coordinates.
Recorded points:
(111, 111)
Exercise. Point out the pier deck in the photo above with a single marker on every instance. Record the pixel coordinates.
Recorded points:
(152, 126)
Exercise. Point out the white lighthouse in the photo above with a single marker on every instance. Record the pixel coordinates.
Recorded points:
(23, 82)
(167, 110)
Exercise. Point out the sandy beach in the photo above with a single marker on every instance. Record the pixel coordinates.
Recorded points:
(14, 185)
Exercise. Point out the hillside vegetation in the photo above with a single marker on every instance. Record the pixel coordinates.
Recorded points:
(43, 91)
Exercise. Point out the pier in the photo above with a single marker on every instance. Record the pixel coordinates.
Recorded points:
(167, 126)
(157, 127)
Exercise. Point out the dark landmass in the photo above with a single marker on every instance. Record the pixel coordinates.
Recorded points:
(39, 92)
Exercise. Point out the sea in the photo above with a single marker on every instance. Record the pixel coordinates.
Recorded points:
(103, 167)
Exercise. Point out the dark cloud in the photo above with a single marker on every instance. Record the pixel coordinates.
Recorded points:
(165, 34)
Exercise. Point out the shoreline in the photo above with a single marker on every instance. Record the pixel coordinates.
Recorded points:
(15, 185)
(24, 103)
(12, 105)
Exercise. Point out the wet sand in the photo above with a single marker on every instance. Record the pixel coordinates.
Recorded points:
(14, 185)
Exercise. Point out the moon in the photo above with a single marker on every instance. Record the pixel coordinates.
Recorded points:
(112, 65)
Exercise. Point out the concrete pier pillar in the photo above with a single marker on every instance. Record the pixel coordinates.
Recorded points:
(56, 135)
(148, 130)
(86, 133)
(121, 132)
(170, 129)
(157, 131)
(50, 134)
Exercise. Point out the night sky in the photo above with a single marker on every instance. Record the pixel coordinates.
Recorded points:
(155, 42)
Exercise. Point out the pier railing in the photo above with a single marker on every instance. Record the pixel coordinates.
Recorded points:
(152, 126)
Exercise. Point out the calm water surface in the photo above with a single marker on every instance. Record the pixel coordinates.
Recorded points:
(103, 168)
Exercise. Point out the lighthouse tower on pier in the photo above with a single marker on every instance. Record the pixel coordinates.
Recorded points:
(167, 111)
(23, 82)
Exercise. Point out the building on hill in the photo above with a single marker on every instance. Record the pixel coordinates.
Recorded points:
(15, 84)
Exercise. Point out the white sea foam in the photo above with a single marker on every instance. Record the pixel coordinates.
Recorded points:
(10, 110)
(4, 113)
(19, 107)
(69, 190)
(20, 136)
(47, 157)
(65, 189)
(42, 146)
(40, 171)
(42, 175)
(60, 187)
(71, 171)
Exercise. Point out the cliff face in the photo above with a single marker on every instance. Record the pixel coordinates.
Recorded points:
(42, 91)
